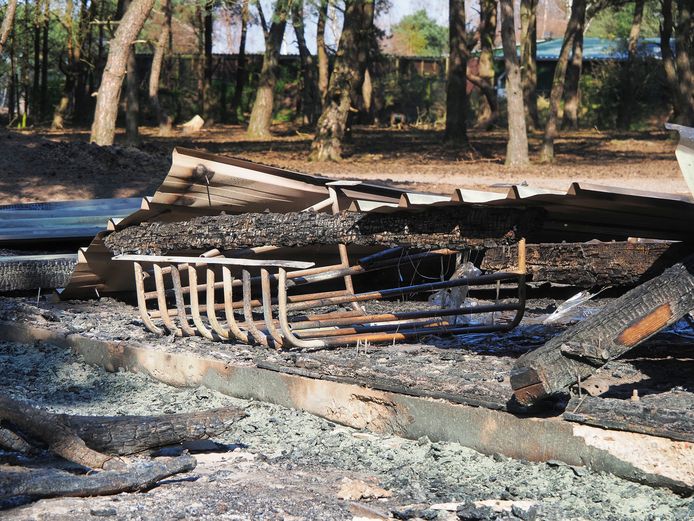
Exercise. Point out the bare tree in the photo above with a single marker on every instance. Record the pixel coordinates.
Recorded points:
(678, 67)
(572, 91)
(104, 126)
(574, 27)
(345, 81)
(163, 119)
(322, 51)
(261, 114)
(517, 148)
(490, 110)
(7, 22)
(241, 65)
(626, 102)
(456, 84)
(310, 104)
(528, 17)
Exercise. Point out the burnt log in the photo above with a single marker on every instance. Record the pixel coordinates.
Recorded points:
(592, 263)
(623, 324)
(140, 475)
(452, 227)
(23, 273)
(130, 434)
(93, 440)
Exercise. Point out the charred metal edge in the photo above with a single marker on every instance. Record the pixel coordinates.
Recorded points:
(669, 463)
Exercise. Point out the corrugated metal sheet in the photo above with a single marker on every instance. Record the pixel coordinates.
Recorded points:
(206, 184)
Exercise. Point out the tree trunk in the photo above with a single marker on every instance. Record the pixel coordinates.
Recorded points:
(490, 110)
(626, 99)
(322, 52)
(36, 88)
(456, 84)
(44, 59)
(261, 115)
(621, 325)
(310, 104)
(207, 82)
(684, 48)
(6, 26)
(236, 109)
(163, 119)
(572, 92)
(104, 126)
(517, 149)
(454, 227)
(528, 17)
(132, 103)
(668, 58)
(345, 82)
(575, 26)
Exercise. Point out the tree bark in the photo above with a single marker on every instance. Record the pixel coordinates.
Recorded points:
(310, 103)
(441, 228)
(456, 84)
(104, 126)
(572, 92)
(517, 149)
(623, 324)
(163, 119)
(345, 82)
(322, 51)
(44, 59)
(528, 17)
(587, 265)
(132, 102)
(575, 26)
(241, 74)
(261, 114)
(36, 88)
(490, 110)
(207, 82)
(684, 48)
(626, 101)
(7, 22)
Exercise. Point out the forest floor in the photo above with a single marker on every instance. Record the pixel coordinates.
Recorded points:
(44, 165)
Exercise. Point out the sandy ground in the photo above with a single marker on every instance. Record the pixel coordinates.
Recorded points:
(283, 464)
(44, 165)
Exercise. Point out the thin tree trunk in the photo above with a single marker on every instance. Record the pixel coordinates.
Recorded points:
(132, 102)
(309, 104)
(322, 51)
(80, 70)
(36, 88)
(684, 47)
(44, 58)
(626, 99)
(456, 84)
(575, 26)
(345, 82)
(104, 127)
(241, 74)
(11, 99)
(208, 68)
(528, 17)
(490, 109)
(261, 115)
(163, 119)
(517, 149)
(572, 92)
(6, 26)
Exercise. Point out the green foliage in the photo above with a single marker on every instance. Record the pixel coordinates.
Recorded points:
(418, 35)
(615, 22)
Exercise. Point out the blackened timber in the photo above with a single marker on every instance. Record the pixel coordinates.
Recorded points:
(130, 434)
(452, 227)
(623, 324)
(588, 264)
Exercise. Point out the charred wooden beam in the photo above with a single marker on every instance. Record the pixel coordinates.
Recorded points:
(140, 475)
(130, 434)
(621, 325)
(30, 272)
(591, 264)
(450, 227)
